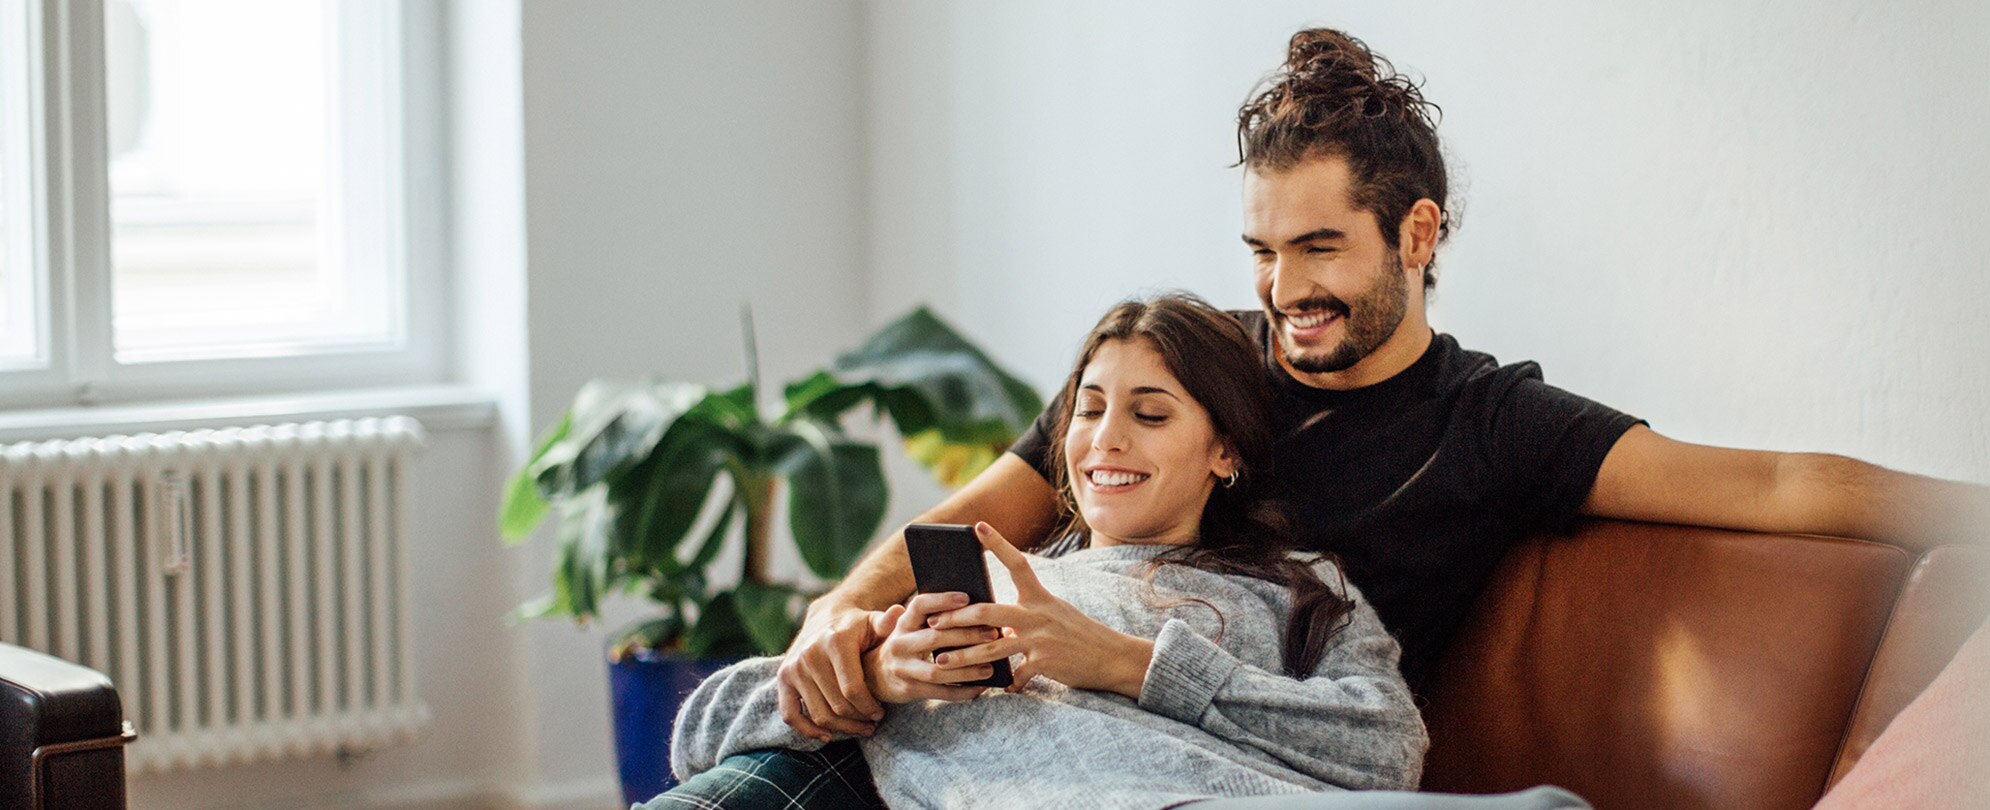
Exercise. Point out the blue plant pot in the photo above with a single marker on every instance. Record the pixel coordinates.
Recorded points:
(647, 688)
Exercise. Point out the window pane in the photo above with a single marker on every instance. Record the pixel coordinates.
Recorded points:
(19, 332)
(229, 178)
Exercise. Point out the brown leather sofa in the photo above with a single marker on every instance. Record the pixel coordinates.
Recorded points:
(1644, 665)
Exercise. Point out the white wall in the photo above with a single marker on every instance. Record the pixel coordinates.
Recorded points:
(680, 159)
(1753, 224)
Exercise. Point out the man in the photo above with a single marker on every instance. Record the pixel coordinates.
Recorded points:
(1416, 461)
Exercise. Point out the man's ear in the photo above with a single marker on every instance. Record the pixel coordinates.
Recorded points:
(1416, 236)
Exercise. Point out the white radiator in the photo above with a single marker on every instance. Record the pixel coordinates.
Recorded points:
(245, 589)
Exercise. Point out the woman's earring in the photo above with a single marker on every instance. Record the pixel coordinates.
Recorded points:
(1231, 481)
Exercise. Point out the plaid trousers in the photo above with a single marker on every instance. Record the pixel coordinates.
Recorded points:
(834, 778)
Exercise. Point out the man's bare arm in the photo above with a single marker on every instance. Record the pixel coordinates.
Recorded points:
(1009, 495)
(1649, 477)
(822, 687)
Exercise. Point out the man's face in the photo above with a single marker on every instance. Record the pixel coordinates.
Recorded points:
(1332, 288)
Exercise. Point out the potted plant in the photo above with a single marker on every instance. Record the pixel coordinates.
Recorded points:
(633, 470)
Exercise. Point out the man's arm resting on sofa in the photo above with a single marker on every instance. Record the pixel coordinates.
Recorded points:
(823, 671)
(1649, 477)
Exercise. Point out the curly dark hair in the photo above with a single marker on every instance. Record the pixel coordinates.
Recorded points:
(1334, 97)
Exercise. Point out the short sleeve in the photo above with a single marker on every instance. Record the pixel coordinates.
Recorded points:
(1034, 445)
(1546, 445)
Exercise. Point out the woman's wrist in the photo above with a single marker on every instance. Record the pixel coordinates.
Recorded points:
(1132, 662)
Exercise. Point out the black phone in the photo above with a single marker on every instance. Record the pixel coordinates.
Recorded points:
(947, 558)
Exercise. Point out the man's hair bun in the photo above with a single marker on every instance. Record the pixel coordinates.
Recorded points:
(1329, 77)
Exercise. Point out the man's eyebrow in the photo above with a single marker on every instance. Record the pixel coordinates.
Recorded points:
(1315, 235)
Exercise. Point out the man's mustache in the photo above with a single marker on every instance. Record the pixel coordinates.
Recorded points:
(1328, 303)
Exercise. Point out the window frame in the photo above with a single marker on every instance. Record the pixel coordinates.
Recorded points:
(69, 173)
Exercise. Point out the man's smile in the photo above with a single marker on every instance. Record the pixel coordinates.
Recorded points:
(1309, 326)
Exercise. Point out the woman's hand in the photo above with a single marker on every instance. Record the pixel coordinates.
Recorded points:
(901, 670)
(1055, 639)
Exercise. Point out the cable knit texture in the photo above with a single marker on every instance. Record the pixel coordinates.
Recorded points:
(1215, 718)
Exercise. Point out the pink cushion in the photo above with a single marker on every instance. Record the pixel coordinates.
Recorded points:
(1936, 753)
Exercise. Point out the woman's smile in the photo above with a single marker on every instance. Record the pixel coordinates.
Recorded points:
(1107, 480)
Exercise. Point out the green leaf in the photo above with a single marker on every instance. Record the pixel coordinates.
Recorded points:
(523, 507)
(597, 405)
(929, 380)
(544, 606)
(582, 577)
(715, 539)
(522, 510)
(965, 393)
(769, 613)
(821, 396)
(659, 499)
(836, 495)
(631, 424)
(733, 407)
(719, 633)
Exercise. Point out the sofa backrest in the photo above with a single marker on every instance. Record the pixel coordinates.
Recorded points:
(1645, 665)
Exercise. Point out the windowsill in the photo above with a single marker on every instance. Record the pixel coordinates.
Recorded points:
(440, 407)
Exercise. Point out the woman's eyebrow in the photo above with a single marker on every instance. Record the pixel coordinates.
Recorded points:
(1142, 390)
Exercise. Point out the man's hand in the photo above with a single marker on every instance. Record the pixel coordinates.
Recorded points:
(1056, 640)
(901, 669)
(821, 681)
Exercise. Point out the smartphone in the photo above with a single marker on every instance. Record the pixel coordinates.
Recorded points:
(947, 558)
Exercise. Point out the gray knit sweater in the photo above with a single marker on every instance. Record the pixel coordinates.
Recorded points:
(1214, 717)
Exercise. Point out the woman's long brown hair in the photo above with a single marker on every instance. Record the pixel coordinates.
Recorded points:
(1242, 532)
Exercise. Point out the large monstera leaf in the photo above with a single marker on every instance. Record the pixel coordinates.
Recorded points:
(955, 406)
(612, 427)
(836, 494)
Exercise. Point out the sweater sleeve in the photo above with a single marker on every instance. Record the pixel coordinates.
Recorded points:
(1351, 723)
(734, 711)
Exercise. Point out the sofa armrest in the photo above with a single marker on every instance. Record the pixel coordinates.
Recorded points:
(62, 733)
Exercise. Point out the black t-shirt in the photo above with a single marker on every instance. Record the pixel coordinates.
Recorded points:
(1419, 483)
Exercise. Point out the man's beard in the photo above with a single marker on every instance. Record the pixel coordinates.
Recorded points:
(1366, 324)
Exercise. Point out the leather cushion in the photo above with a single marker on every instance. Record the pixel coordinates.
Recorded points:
(1644, 665)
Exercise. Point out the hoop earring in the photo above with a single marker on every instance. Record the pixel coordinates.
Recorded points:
(1231, 481)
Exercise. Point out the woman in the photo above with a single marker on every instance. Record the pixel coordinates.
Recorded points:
(1185, 653)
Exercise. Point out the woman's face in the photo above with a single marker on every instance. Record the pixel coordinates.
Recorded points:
(1142, 456)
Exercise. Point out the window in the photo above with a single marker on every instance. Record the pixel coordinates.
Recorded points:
(227, 187)
(20, 343)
